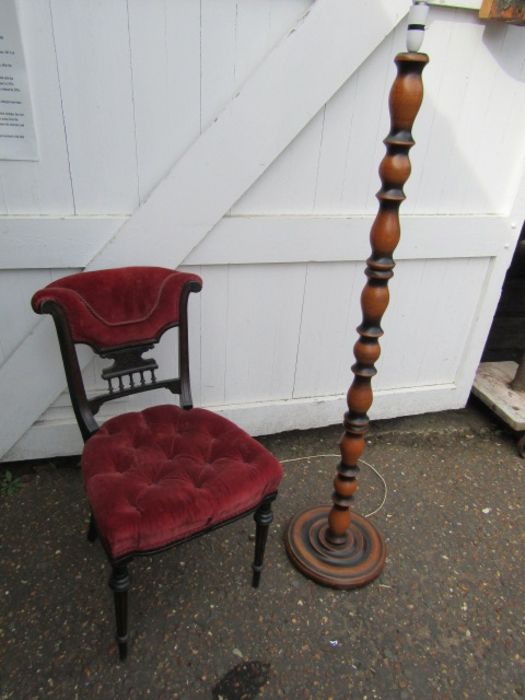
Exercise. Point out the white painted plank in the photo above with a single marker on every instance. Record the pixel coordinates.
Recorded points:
(92, 42)
(422, 348)
(474, 95)
(72, 241)
(289, 184)
(464, 195)
(16, 289)
(416, 348)
(262, 331)
(469, 134)
(288, 192)
(505, 127)
(447, 331)
(218, 28)
(442, 83)
(213, 348)
(49, 242)
(335, 156)
(331, 312)
(244, 240)
(236, 35)
(403, 323)
(43, 186)
(165, 55)
(250, 317)
(281, 97)
(273, 106)
(302, 179)
(19, 367)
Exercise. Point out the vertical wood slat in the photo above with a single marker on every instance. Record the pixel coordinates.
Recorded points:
(432, 135)
(213, 338)
(250, 328)
(236, 35)
(503, 118)
(16, 289)
(464, 193)
(289, 184)
(469, 129)
(437, 340)
(43, 185)
(265, 302)
(440, 337)
(165, 71)
(165, 61)
(452, 321)
(218, 24)
(93, 49)
(315, 173)
(329, 318)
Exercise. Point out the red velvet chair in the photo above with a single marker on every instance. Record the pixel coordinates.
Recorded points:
(166, 474)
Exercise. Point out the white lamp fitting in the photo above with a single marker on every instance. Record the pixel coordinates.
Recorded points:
(417, 18)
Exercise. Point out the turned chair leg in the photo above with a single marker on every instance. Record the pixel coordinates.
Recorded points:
(119, 584)
(263, 516)
(92, 533)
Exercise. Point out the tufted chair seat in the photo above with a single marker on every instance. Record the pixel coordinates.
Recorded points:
(161, 475)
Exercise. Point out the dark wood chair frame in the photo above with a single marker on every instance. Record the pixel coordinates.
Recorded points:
(128, 362)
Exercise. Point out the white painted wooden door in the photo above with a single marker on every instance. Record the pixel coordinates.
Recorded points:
(241, 140)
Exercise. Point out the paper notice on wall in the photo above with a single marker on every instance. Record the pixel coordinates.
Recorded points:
(17, 130)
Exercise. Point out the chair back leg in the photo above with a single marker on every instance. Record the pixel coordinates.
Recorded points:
(119, 584)
(263, 517)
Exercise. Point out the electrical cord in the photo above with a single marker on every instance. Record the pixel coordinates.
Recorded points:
(360, 461)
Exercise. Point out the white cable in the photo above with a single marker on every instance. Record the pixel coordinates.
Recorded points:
(361, 461)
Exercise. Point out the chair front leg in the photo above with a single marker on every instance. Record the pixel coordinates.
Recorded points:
(263, 517)
(92, 533)
(119, 584)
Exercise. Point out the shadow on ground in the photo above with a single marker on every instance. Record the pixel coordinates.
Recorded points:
(445, 619)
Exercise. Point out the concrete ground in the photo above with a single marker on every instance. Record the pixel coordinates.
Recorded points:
(444, 620)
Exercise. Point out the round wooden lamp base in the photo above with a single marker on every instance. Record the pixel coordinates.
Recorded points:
(351, 565)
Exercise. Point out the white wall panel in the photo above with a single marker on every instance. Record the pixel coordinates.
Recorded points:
(94, 65)
(251, 316)
(289, 185)
(331, 312)
(235, 37)
(166, 66)
(420, 347)
(122, 88)
(434, 303)
(44, 185)
(17, 317)
(213, 340)
(470, 140)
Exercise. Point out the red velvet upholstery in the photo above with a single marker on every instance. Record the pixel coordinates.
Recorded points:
(164, 474)
(122, 306)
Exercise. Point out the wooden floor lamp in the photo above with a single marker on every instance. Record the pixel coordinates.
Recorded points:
(331, 545)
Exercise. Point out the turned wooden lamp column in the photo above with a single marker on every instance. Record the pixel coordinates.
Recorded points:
(332, 545)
